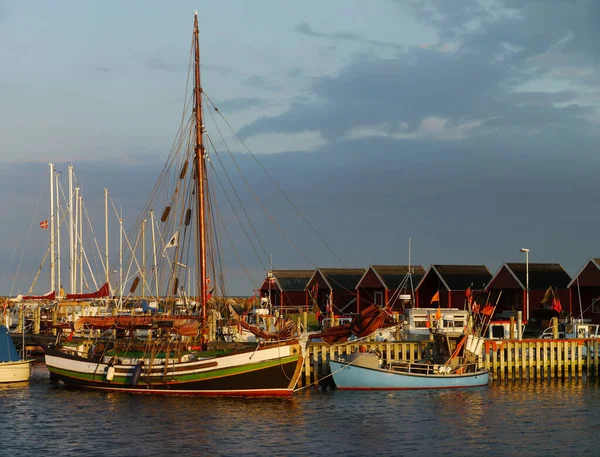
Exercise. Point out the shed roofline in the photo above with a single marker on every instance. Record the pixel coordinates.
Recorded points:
(363, 276)
(318, 270)
(380, 278)
(371, 267)
(424, 276)
(505, 264)
(267, 277)
(591, 259)
(441, 278)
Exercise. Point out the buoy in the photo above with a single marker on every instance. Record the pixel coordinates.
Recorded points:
(110, 373)
(136, 373)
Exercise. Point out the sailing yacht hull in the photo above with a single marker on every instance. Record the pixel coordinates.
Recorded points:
(268, 371)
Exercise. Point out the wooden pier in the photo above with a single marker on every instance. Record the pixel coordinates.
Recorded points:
(505, 359)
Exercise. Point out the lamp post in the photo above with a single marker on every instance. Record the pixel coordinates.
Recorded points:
(526, 251)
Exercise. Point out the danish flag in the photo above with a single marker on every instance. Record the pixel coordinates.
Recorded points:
(44, 224)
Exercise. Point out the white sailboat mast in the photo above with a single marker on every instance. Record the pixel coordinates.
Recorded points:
(76, 239)
(56, 177)
(106, 265)
(80, 227)
(154, 253)
(52, 253)
(71, 234)
(143, 258)
(121, 256)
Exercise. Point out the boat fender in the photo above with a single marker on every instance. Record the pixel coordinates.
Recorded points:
(110, 373)
(136, 373)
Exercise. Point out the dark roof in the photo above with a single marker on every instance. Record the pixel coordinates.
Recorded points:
(541, 275)
(461, 277)
(393, 275)
(342, 278)
(292, 279)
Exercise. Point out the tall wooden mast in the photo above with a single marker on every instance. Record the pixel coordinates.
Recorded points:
(200, 152)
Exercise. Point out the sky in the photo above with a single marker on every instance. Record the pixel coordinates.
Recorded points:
(470, 128)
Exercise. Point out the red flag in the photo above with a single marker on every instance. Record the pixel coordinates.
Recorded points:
(469, 296)
(488, 310)
(436, 297)
(44, 224)
(556, 305)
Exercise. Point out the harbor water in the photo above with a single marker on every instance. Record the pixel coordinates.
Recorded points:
(526, 418)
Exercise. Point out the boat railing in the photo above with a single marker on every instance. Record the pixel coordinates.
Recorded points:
(431, 368)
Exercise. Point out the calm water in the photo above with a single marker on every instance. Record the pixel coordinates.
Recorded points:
(516, 419)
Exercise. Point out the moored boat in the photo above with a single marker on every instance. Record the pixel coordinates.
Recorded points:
(365, 371)
(451, 360)
(12, 367)
(178, 356)
(269, 369)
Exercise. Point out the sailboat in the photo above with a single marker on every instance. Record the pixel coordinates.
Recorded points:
(12, 367)
(178, 356)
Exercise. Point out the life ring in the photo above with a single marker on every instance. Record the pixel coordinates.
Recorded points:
(362, 349)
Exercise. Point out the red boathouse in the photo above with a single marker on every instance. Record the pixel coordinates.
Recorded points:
(547, 281)
(286, 289)
(584, 292)
(388, 285)
(450, 283)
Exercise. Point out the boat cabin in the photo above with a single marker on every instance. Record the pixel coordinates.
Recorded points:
(418, 322)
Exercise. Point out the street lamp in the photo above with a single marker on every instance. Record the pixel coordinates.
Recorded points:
(526, 251)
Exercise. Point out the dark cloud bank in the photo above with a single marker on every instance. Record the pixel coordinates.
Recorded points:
(522, 173)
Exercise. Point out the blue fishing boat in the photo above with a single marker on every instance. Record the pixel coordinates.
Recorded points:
(450, 360)
(364, 371)
(12, 367)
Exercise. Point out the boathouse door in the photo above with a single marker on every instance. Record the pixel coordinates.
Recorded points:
(378, 298)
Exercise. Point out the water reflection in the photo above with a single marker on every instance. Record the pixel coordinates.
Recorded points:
(506, 418)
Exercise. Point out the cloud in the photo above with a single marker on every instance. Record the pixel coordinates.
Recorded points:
(484, 85)
(261, 82)
(278, 142)
(306, 30)
(296, 72)
(239, 104)
(101, 69)
(4, 11)
(223, 71)
(159, 63)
